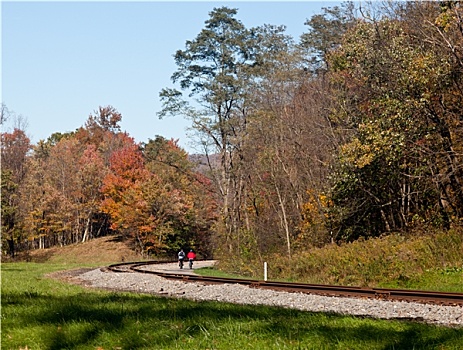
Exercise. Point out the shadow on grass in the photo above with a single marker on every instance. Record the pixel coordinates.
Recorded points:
(12, 269)
(131, 321)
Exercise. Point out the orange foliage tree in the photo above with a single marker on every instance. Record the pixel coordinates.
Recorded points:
(155, 197)
(123, 192)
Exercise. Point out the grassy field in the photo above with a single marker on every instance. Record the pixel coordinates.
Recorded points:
(40, 312)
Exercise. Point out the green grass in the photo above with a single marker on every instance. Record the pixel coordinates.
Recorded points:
(445, 280)
(212, 271)
(41, 313)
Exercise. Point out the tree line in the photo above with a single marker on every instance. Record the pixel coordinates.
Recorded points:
(97, 181)
(353, 131)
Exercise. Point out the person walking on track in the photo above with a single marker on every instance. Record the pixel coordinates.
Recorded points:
(191, 256)
(181, 257)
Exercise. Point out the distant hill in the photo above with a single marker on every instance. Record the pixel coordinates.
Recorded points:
(202, 162)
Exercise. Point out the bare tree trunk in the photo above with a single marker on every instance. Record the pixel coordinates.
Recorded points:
(284, 221)
(86, 229)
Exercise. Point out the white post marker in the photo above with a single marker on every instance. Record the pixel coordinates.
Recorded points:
(265, 271)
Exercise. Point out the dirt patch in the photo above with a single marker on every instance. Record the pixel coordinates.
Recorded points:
(68, 274)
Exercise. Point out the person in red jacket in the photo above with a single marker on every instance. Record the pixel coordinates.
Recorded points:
(191, 256)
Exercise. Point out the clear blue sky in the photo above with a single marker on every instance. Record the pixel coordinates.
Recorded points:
(61, 60)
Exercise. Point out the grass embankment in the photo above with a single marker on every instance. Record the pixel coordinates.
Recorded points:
(427, 262)
(42, 313)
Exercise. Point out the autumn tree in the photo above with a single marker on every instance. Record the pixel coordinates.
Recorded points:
(91, 173)
(11, 228)
(398, 91)
(153, 196)
(14, 149)
(181, 197)
(290, 141)
(60, 199)
(438, 77)
(123, 197)
(50, 197)
(101, 129)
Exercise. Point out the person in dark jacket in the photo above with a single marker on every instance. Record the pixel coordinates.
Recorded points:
(181, 257)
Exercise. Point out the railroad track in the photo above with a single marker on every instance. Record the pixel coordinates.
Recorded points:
(426, 297)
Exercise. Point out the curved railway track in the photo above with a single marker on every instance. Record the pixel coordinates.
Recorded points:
(426, 297)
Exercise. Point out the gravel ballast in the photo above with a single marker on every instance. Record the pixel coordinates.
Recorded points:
(234, 293)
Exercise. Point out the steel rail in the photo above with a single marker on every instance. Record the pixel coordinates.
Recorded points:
(426, 297)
